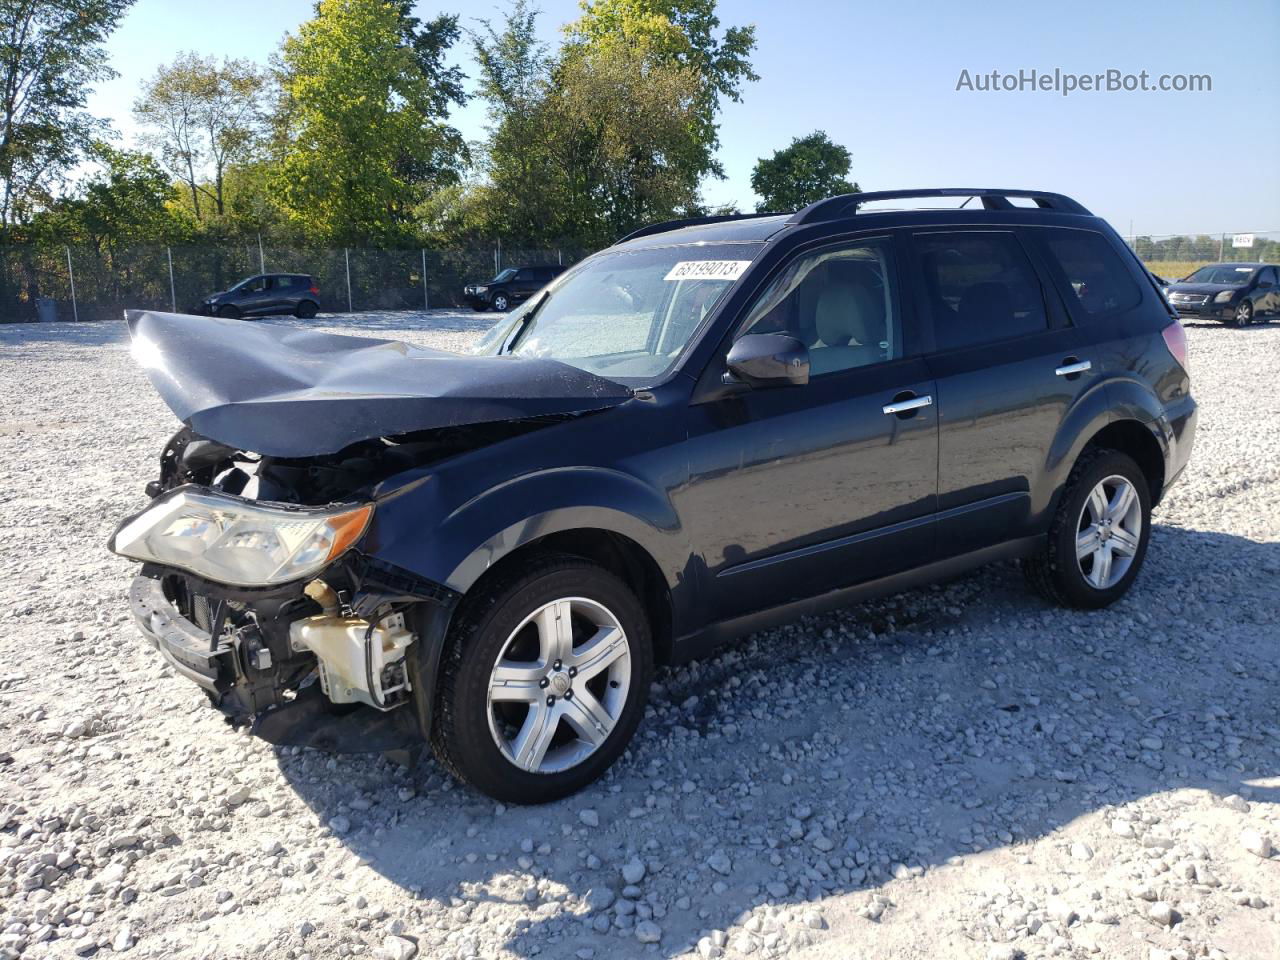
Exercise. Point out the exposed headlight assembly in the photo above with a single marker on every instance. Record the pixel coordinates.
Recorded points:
(239, 542)
(481, 289)
(1224, 296)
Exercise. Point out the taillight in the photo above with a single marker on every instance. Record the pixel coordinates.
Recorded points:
(314, 289)
(1175, 338)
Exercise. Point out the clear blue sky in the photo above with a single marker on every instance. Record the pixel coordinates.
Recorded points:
(881, 79)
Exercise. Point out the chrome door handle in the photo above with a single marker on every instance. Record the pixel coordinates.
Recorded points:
(1071, 369)
(903, 406)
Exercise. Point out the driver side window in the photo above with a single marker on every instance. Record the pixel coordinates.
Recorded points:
(841, 302)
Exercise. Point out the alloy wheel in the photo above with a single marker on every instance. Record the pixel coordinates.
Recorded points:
(559, 685)
(500, 303)
(1244, 314)
(1108, 532)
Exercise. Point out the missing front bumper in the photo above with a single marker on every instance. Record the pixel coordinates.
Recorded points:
(187, 648)
(280, 715)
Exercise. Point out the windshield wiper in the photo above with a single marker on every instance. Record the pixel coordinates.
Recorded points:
(514, 338)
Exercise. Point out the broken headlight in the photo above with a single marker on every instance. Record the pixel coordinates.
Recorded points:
(239, 542)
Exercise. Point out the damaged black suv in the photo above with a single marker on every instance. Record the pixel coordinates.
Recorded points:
(710, 426)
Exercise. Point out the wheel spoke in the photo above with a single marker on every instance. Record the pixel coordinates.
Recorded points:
(1121, 503)
(1086, 542)
(1123, 542)
(555, 632)
(531, 743)
(517, 682)
(599, 652)
(1101, 574)
(588, 717)
(1097, 504)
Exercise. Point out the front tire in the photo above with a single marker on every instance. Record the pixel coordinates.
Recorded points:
(543, 681)
(1099, 535)
(501, 302)
(229, 312)
(1244, 314)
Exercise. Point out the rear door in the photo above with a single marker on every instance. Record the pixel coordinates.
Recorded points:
(1008, 366)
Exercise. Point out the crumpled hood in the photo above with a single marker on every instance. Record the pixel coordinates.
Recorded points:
(289, 392)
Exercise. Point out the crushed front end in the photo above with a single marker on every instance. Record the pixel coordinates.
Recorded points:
(255, 587)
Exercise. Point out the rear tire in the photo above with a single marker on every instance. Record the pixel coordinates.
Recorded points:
(306, 310)
(487, 728)
(1098, 539)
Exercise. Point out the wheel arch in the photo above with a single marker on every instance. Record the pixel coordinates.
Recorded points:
(1137, 440)
(619, 554)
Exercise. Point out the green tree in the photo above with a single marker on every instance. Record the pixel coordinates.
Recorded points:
(123, 203)
(201, 116)
(364, 95)
(812, 168)
(50, 58)
(589, 145)
(678, 33)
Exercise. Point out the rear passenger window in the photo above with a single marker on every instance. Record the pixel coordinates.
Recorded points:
(981, 288)
(1092, 269)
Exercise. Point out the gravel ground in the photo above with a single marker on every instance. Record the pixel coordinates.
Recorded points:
(960, 771)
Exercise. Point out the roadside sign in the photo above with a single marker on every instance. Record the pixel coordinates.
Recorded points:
(1242, 240)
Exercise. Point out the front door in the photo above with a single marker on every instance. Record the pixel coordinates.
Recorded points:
(796, 491)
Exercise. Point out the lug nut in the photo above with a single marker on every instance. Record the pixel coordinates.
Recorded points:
(556, 665)
(573, 671)
(543, 682)
(568, 694)
(551, 701)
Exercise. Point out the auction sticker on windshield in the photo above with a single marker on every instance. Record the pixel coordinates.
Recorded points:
(707, 270)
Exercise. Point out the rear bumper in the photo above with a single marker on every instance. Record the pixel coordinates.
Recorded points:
(1180, 433)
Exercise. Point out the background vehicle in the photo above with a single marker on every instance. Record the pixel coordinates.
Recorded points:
(1235, 293)
(710, 427)
(511, 286)
(264, 294)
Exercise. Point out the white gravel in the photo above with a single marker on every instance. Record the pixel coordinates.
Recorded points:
(960, 771)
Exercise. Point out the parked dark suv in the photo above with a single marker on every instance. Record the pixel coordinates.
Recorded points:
(266, 293)
(709, 427)
(513, 285)
(1234, 293)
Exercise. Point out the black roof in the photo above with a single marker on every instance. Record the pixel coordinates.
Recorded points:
(757, 227)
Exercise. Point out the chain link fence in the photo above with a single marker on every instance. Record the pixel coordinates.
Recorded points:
(1173, 256)
(83, 283)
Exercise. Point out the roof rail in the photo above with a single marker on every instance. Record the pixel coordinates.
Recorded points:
(689, 222)
(993, 198)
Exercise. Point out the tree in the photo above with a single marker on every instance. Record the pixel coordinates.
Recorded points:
(50, 57)
(123, 203)
(631, 145)
(602, 139)
(679, 33)
(201, 117)
(811, 169)
(364, 101)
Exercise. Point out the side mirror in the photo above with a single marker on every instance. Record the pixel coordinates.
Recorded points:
(769, 360)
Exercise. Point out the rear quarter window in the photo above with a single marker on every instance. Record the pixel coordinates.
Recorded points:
(1098, 284)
